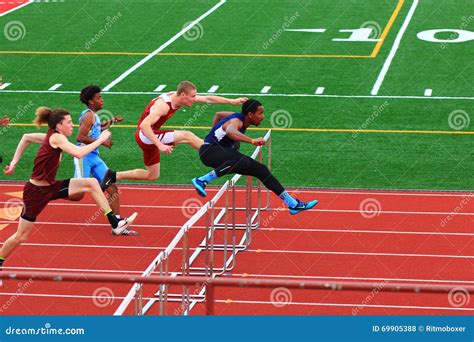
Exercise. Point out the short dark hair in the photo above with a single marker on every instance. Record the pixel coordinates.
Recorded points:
(88, 93)
(185, 87)
(250, 106)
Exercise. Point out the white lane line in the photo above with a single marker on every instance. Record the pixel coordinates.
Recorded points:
(55, 87)
(213, 89)
(162, 47)
(95, 225)
(271, 251)
(393, 51)
(56, 269)
(16, 8)
(428, 92)
(364, 254)
(231, 301)
(306, 30)
(4, 85)
(60, 245)
(361, 231)
(342, 191)
(46, 295)
(272, 229)
(410, 280)
(265, 90)
(160, 87)
(319, 91)
(348, 211)
(374, 97)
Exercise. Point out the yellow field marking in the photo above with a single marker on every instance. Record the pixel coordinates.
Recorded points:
(385, 32)
(374, 53)
(73, 53)
(259, 55)
(3, 226)
(189, 54)
(307, 130)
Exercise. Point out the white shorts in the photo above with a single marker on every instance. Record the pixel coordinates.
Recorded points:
(166, 137)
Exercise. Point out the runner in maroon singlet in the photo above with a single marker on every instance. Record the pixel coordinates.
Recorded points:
(43, 186)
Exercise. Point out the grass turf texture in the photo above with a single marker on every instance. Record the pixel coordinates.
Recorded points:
(375, 160)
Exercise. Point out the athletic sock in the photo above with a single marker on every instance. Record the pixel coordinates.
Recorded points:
(112, 218)
(209, 177)
(290, 201)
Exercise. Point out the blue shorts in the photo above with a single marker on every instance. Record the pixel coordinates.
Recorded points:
(90, 165)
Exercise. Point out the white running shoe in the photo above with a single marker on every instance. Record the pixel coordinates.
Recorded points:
(124, 224)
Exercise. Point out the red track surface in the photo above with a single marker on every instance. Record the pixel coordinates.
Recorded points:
(8, 5)
(414, 238)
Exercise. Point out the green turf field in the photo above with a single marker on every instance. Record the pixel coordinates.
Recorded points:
(371, 126)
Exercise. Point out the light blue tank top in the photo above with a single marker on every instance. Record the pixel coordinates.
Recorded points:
(95, 130)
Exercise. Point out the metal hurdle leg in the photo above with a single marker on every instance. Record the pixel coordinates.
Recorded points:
(269, 165)
(163, 291)
(248, 210)
(210, 246)
(139, 301)
(185, 272)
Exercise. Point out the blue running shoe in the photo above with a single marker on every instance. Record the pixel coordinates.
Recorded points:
(200, 186)
(302, 206)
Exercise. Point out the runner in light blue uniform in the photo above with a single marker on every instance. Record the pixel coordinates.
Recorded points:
(90, 128)
(91, 164)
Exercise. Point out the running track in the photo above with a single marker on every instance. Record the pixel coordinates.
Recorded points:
(411, 237)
